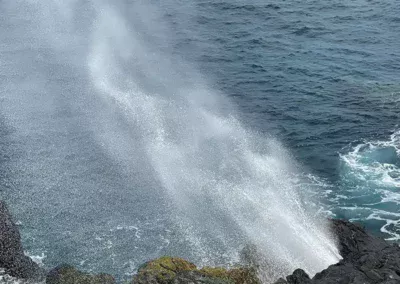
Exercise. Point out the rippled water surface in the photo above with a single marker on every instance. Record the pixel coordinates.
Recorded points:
(323, 77)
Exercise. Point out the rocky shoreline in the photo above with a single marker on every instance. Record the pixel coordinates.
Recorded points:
(366, 260)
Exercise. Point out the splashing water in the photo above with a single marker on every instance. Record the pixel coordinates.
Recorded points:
(371, 176)
(230, 186)
(226, 180)
(376, 161)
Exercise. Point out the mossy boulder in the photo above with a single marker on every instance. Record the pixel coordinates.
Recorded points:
(171, 270)
(67, 274)
(240, 275)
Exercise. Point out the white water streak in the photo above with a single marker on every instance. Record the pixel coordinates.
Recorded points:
(206, 161)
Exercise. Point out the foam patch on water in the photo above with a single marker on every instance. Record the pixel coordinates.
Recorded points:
(7, 279)
(135, 229)
(36, 258)
(377, 161)
(392, 227)
(371, 184)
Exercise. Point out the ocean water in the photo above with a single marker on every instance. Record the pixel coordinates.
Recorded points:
(323, 78)
(320, 77)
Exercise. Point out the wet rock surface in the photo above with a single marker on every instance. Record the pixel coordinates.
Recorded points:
(67, 274)
(366, 260)
(12, 257)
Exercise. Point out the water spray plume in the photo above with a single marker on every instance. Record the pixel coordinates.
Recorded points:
(228, 182)
(116, 71)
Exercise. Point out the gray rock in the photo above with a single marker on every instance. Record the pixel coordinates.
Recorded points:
(67, 274)
(298, 277)
(12, 257)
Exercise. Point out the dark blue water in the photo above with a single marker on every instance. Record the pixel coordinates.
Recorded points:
(324, 78)
(318, 75)
(321, 76)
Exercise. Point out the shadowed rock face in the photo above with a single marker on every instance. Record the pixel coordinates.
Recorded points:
(66, 274)
(12, 257)
(366, 260)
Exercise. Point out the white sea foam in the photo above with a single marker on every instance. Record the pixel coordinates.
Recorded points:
(394, 232)
(368, 169)
(37, 258)
(7, 279)
(371, 175)
(127, 228)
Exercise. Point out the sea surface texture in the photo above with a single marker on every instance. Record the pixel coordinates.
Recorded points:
(135, 129)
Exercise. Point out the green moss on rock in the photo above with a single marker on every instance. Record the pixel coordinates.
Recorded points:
(67, 274)
(241, 275)
(170, 270)
(162, 270)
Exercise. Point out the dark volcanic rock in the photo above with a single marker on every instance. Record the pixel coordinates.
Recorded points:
(66, 274)
(366, 260)
(12, 257)
(298, 277)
